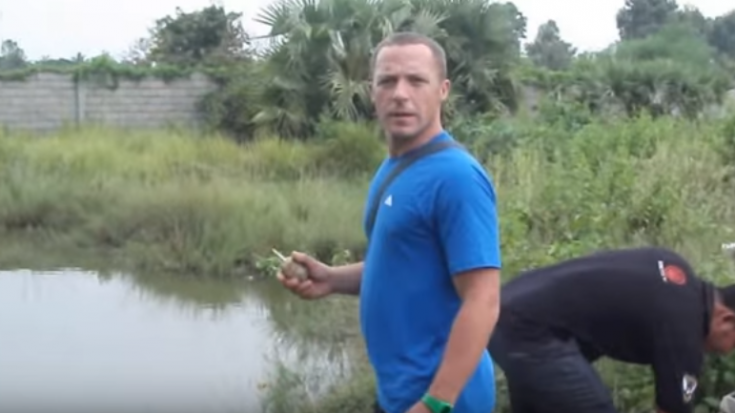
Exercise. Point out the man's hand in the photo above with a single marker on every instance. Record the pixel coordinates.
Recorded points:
(419, 407)
(318, 283)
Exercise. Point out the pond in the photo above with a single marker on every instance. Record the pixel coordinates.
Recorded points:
(77, 340)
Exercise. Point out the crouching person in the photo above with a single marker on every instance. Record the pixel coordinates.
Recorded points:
(640, 305)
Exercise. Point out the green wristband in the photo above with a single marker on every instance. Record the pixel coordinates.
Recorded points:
(436, 405)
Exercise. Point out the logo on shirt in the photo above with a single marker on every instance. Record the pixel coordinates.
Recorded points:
(688, 386)
(672, 274)
(389, 200)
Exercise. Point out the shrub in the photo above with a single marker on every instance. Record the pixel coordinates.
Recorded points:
(349, 149)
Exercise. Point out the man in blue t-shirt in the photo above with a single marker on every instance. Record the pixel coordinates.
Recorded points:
(429, 285)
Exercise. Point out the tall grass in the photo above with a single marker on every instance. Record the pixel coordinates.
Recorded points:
(178, 201)
(207, 206)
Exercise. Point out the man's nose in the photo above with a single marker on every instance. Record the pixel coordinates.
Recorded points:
(401, 91)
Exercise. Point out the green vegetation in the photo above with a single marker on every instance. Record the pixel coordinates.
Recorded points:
(627, 146)
(101, 66)
(313, 63)
(565, 192)
(181, 202)
(202, 205)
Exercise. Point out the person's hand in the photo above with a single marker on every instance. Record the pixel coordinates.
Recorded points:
(318, 282)
(419, 407)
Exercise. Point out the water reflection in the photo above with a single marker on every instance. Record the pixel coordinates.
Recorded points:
(75, 340)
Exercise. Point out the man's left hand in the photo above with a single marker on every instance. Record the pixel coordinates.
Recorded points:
(419, 407)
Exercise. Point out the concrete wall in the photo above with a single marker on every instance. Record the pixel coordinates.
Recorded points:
(47, 101)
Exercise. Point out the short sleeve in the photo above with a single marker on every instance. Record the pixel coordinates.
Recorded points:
(466, 217)
(677, 364)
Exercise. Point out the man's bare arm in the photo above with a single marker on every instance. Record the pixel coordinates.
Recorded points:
(471, 331)
(346, 279)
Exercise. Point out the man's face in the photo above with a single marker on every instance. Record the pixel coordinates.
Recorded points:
(407, 91)
(721, 339)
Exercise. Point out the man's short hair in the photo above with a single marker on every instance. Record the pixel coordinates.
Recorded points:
(727, 296)
(412, 38)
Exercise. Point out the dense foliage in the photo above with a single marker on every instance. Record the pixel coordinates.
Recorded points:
(313, 63)
(629, 145)
(316, 65)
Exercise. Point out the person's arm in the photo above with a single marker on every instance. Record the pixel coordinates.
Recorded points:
(468, 229)
(346, 279)
(678, 359)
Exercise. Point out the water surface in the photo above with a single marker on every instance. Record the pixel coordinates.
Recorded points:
(75, 341)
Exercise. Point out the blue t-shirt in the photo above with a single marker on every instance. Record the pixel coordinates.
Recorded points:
(436, 219)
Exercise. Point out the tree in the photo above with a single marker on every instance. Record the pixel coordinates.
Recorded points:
(320, 59)
(549, 50)
(691, 16)
(138, 52)
(12, 57)
(483, 44)
(672, 70)
(679, 42)
(641, 18)
(722, 34)
(208, 36)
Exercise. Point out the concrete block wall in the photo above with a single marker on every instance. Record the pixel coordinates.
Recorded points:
(46, 101)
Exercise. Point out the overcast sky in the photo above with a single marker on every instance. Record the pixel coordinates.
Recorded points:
(62, 28)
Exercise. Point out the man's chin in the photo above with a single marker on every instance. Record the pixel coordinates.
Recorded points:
(402, 135)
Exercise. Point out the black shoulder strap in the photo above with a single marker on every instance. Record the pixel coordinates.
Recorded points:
(405, 163)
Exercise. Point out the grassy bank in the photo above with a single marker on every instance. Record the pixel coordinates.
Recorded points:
(179, 202)
(205, 206)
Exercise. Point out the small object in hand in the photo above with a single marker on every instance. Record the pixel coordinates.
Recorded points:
(291, 268)
(729, 250)
(727, 404)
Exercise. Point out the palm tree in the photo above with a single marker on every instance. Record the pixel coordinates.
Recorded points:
(319, 60)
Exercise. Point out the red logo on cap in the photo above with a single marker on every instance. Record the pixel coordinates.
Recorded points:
(675, 275)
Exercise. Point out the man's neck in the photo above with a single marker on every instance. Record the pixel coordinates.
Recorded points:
(399, 148)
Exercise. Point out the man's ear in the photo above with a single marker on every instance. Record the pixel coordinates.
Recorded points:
(446, 88)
